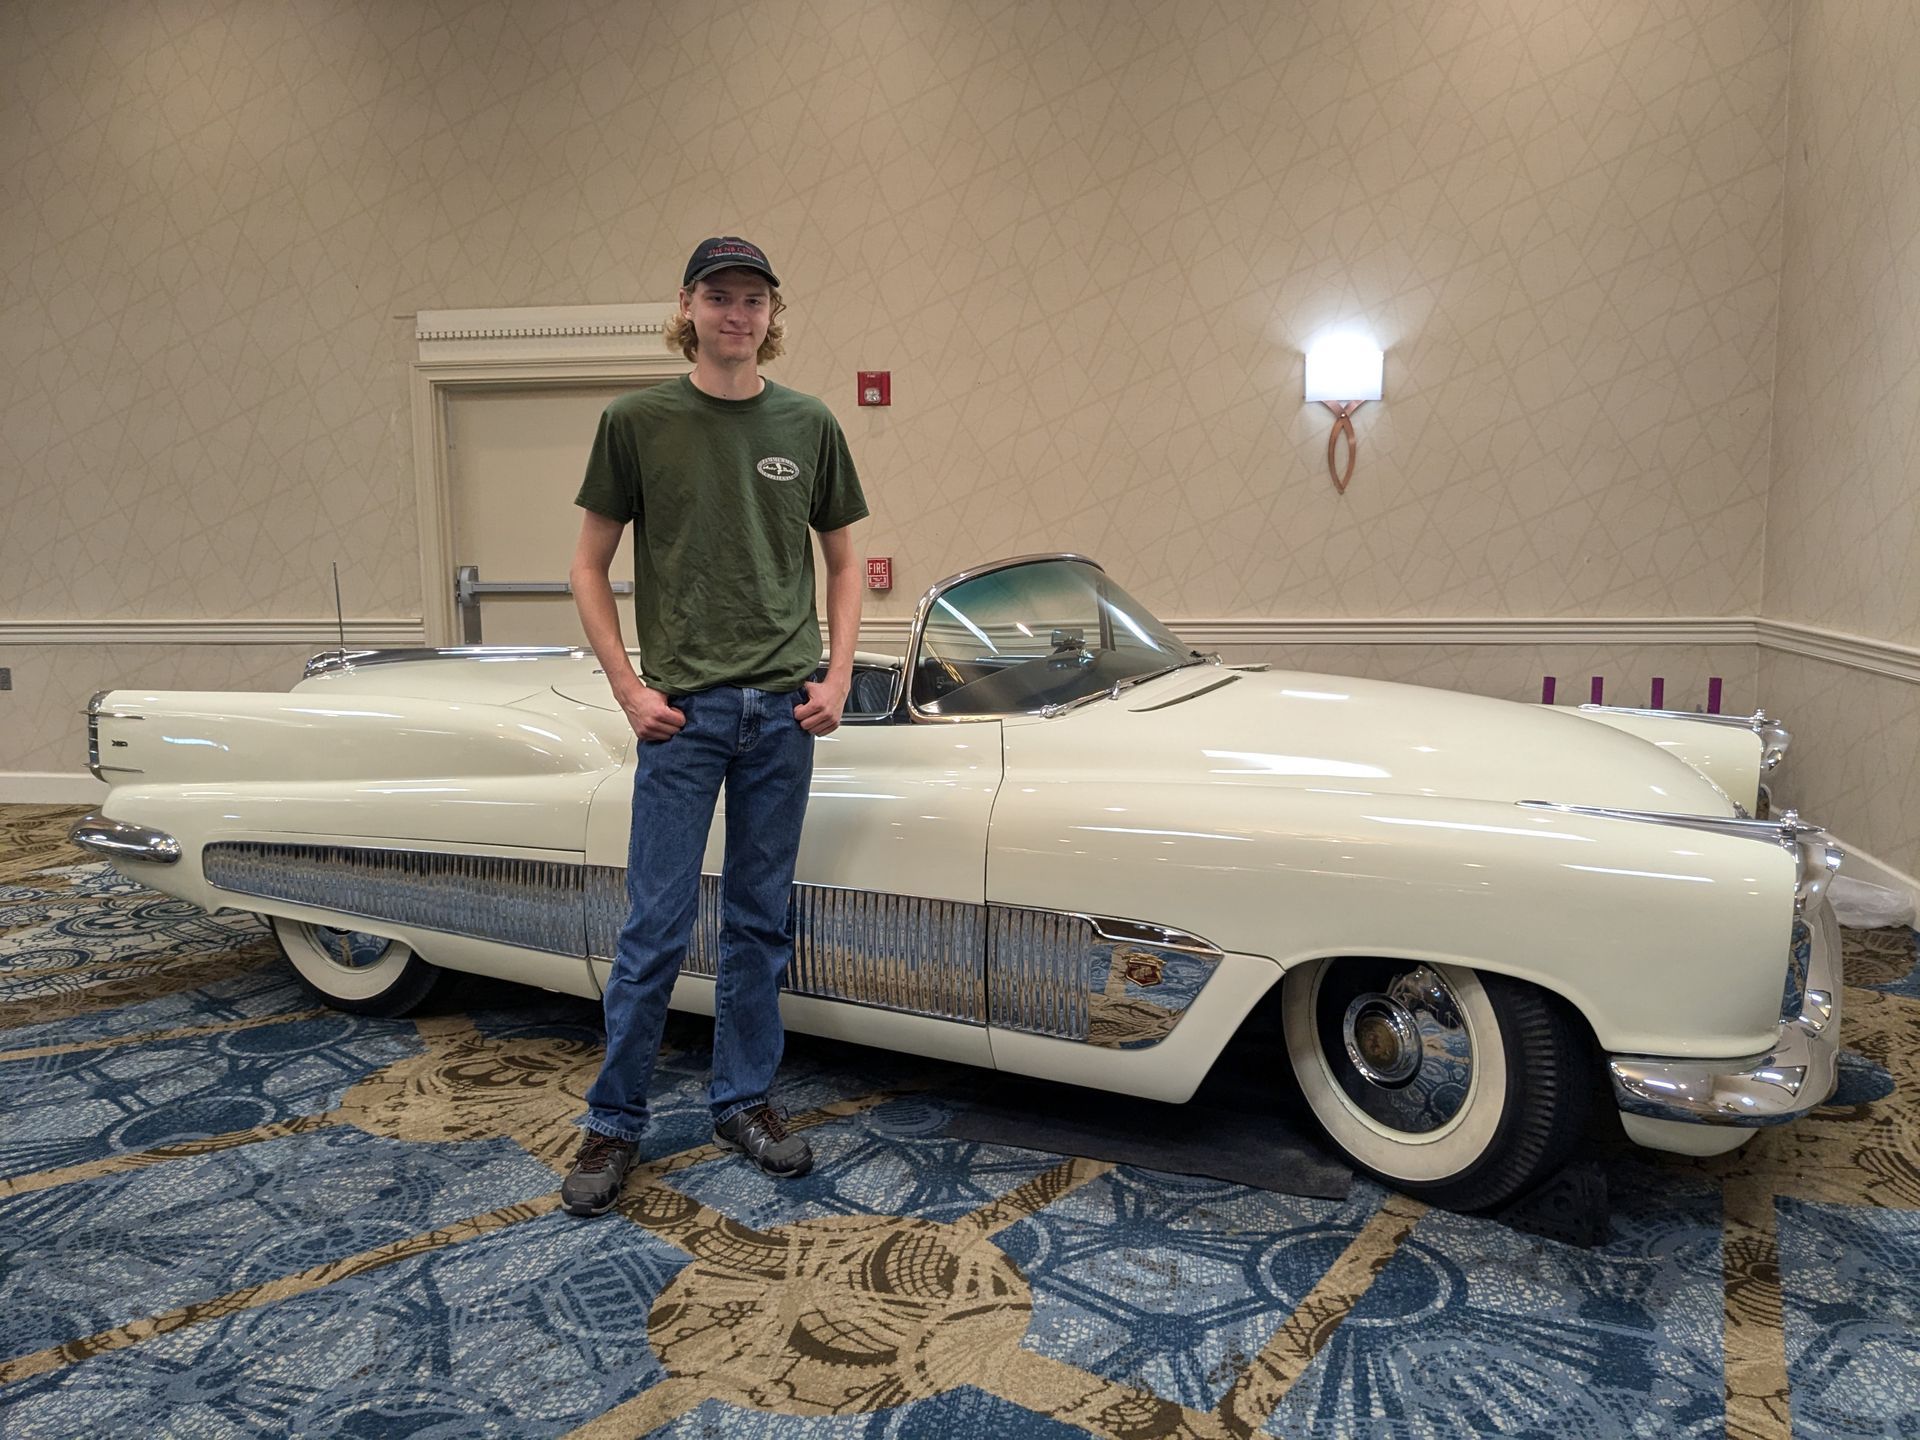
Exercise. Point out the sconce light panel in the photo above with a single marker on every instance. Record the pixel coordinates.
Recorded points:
(1344, 367)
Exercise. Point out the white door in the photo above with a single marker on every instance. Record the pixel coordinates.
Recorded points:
(515, 461)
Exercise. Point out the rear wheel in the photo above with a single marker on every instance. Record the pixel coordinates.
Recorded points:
(354, 971)
(1461, 1088)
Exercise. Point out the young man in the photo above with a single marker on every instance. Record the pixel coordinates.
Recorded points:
(721, 474)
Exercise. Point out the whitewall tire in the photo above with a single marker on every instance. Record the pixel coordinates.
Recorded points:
(354, 971)
(1461, 1088)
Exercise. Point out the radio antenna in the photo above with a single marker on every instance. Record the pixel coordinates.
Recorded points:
(339, 615)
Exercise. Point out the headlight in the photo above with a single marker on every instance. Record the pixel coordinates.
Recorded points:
(1774, 740)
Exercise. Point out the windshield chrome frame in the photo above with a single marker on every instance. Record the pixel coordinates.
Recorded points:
(925, 609)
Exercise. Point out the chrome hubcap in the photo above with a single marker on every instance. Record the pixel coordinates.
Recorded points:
(1383, 1040)
(351, 949)
(1396, 1042)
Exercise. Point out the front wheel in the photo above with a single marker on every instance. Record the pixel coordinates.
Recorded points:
(1460, 1088)
(353, 971)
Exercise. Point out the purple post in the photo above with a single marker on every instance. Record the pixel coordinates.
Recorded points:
(1598, 686)
(1659, 693)
(1546, 691)
(1713, 695)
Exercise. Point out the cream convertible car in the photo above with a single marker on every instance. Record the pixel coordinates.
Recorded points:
(1058, 842)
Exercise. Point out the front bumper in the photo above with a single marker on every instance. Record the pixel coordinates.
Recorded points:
(117, 840)
(1799, 1073)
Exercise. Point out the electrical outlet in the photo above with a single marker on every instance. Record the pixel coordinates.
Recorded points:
(6, 677)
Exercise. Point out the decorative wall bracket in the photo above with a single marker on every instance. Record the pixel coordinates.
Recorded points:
(1342, 425)
(1344, 371)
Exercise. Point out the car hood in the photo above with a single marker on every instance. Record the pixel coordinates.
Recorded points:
(1333, 732)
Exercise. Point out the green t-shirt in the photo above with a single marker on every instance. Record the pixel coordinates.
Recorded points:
(720, 494)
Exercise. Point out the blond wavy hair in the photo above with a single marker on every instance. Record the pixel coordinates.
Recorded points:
(680, 335)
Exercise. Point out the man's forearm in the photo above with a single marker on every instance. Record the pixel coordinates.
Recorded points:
(600, 618)
(843, 620)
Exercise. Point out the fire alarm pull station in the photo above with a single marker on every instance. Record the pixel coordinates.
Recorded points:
(876, 387)
(879, 572)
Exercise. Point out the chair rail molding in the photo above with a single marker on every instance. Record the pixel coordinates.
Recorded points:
(322, 632)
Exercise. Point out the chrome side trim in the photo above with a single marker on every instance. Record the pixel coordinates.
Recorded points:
(1774, 736)
(1116, 984)
(1190, 695)
(94, 716)
(330, 660)
(118, 840)
(1817, 858)
(531, 904)
(1796, 1075)
(93, 732)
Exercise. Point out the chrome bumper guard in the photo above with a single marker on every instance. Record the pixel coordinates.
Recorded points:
(117, 840)
(1799, 1073)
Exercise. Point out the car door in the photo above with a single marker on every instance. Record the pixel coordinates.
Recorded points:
(889, 892)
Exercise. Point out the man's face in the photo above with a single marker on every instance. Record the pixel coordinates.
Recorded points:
(731, 310)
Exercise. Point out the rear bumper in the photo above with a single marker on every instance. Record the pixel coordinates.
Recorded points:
(117, 840)
(1799, 1073)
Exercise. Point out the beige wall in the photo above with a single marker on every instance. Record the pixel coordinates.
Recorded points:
(1843, 540)
(1843, 537)
(1089, 248)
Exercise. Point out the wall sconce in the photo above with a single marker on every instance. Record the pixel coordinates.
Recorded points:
(1343, 373)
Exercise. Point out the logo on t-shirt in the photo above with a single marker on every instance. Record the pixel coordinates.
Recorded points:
(778, 467)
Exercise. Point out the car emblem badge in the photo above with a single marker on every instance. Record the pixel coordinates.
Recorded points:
(778, 467)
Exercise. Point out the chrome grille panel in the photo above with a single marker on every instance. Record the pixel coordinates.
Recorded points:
(1039, 964)
(1116, 984)
(533, 904)
(606, 904)
(897, 952)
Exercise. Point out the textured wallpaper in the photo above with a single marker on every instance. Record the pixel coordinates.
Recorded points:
(1843, 540)
(1843, 537)
(1853, 764)
(1089, 240)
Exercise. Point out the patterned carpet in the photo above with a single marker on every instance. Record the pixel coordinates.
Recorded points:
(226, 1213)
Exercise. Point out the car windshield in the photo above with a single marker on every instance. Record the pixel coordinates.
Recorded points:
(1046, 633)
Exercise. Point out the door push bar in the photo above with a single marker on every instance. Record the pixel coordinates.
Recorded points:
(468, 587)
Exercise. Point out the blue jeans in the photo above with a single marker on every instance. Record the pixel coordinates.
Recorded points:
(750, 740)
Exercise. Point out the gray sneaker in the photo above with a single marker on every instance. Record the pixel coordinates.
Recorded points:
(762, 1136)
(599, 1170)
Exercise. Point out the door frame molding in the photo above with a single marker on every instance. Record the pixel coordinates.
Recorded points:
(466, 352)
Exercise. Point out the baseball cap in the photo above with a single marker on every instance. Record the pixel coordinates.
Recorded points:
(725, 252)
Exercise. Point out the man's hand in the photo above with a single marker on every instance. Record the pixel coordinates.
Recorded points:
(649, 713)
(819, 713)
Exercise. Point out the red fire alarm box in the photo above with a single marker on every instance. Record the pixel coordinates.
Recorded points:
(879, 572)
(876, 387)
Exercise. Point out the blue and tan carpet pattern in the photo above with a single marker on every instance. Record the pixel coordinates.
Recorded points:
(224, 1212)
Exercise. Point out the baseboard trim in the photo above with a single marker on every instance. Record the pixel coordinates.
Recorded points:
(50, 787)
(1861, 865)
